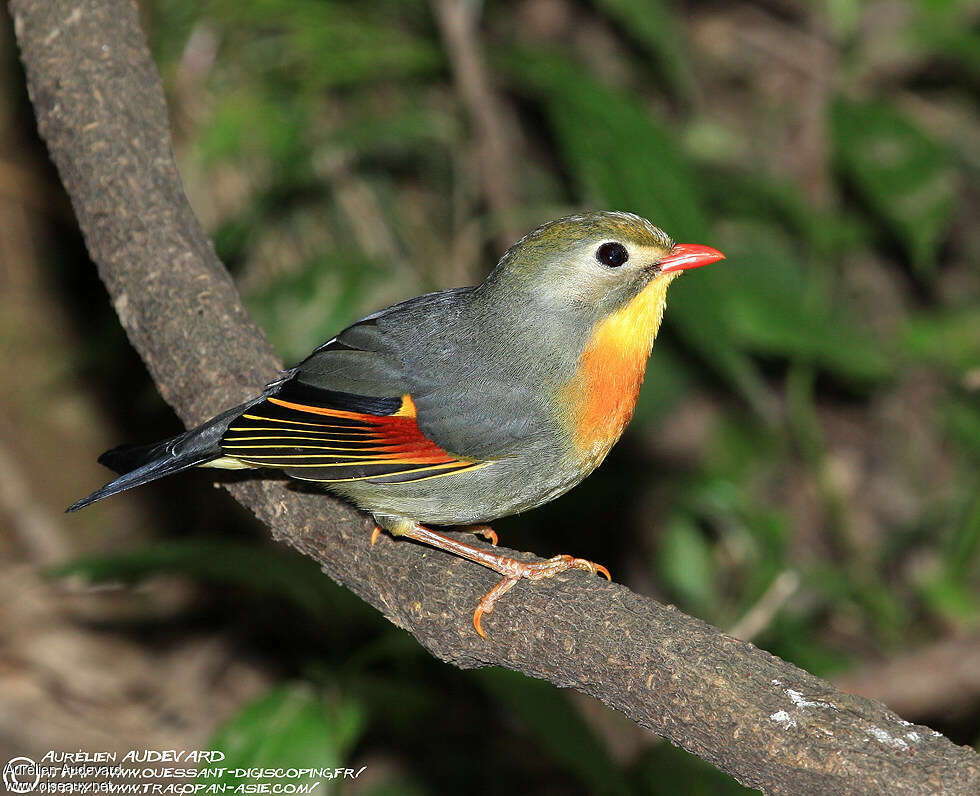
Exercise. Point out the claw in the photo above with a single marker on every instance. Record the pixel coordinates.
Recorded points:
(593, 568)
(511, 569)
(375, 534)
(487, 533)
(485, 606)
(514, 570)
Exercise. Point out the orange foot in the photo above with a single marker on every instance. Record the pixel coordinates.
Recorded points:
(511, 569)
(514, 570)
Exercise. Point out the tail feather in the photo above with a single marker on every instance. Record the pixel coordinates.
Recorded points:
(140, 464)
(160, 462)
(127, 458)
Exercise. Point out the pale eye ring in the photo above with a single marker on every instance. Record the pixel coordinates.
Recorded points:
(612, 254)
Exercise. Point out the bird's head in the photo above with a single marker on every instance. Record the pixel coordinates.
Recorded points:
(595, 262)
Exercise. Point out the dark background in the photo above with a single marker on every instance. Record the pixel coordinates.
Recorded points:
(802, 468)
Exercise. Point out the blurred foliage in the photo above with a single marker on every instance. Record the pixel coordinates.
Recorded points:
(291, 726)
(812, 405)
(228, 565)
(557, 728)
(903, 174)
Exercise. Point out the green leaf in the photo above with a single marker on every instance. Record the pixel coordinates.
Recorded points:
(557, 727)
(686, 565)
(290, 726)
(953, 599)
(904, 175)
(949, 338)
(651, 23)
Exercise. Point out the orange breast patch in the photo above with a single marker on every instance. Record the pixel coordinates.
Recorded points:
(602, 394)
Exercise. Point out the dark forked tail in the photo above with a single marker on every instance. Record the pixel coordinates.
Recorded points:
(140, 464)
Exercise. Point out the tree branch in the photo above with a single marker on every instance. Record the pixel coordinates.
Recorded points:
(101, 110)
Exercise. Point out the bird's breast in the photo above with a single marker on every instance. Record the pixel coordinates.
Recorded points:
(600, 398)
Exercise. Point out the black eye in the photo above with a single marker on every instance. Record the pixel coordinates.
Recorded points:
(612, 254)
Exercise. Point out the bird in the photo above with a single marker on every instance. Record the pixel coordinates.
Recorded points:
(459, 407)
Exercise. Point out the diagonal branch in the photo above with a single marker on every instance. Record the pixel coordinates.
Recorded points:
(100, 108)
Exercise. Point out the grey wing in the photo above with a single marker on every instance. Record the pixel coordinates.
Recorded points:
(427, 348)
(367, 358)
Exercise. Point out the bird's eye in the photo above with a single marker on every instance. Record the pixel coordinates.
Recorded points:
(612, 254)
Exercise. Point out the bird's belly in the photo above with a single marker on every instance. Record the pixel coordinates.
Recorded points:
(498, 489)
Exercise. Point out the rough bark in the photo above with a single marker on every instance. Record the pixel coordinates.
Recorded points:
(100, 108)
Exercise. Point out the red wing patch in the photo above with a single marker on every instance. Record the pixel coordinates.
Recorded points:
(328, 443)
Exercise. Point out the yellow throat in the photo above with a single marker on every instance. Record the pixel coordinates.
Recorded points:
(602, 394)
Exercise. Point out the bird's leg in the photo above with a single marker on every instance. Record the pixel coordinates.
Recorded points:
(511, 569)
